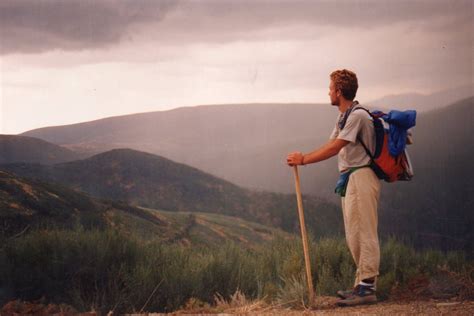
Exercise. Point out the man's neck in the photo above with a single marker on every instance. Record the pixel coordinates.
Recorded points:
(344, 105)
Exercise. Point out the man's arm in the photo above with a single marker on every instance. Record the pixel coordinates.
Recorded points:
(331, 148)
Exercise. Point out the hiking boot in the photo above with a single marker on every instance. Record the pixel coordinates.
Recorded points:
(344, 293)
(360, 295)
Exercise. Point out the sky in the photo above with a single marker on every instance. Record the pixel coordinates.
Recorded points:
(64, 62)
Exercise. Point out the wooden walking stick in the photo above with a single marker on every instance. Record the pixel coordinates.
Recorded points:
(304, 235)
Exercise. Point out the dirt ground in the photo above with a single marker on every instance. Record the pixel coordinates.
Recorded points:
(324, 306)
(445, 294)
(388, 308)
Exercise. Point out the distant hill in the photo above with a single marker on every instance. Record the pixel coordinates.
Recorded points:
(28, 205)
(422, 102)
(146, 180)
(15, 148)
(245, 144)
(140, 178)
(436, 207)
(32, 204)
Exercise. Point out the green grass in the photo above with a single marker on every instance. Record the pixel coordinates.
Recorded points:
(190, 228)
(107, 270)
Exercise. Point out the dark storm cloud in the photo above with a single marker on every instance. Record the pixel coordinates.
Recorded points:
(34, 26)
(40, 25)
(222, 21)
(357, 13)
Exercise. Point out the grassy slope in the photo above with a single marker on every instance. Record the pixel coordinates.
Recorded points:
(147, 180)
(31, 204)
(200, 229)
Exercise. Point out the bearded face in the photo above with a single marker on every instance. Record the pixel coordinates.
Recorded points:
(333, 94)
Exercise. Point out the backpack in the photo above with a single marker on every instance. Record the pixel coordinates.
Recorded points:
(385, 165)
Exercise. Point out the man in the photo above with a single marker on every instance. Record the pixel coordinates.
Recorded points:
(358, 185)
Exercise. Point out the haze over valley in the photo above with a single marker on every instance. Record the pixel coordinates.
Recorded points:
(246, 145)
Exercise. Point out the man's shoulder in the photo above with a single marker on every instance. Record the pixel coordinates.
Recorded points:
(360, 112)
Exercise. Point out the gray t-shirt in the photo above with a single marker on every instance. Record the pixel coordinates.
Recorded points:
(359, 123)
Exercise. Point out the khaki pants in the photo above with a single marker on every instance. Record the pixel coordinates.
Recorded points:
(359, 208)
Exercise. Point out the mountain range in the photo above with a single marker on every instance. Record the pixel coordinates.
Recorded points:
(146, 180)
(27, 204)
(244, 144)
(247, 144)
(423, 102)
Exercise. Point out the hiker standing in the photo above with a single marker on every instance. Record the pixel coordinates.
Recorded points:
(358, 185)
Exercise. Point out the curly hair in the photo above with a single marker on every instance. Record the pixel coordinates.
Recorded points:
(345, 81)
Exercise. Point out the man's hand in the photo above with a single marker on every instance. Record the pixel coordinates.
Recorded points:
(331, 148)
(294, 159)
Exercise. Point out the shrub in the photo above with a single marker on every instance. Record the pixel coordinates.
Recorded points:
(106, 270)
(84, 268)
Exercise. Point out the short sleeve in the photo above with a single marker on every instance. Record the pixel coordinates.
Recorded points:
(352, 127)
(334, 133)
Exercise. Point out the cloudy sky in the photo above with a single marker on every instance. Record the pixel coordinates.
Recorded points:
(70, 61)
